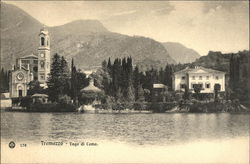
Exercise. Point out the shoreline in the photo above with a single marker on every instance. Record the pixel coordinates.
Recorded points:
(151, 107)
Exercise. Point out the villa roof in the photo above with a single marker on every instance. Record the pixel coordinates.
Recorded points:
(159, 85)
(198, 70)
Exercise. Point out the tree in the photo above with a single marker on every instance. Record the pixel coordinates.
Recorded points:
(217, 88)
(54, 81)
(59, 79)
(4, 80)
(118, 95)
(34, 87)
(64, 77)
(130, 94)
(197, 90)
(141, 97)
(136, 80)
(186, 93)
(74, 82)
(109, 66)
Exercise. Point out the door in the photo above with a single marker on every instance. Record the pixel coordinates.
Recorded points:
(20, 93)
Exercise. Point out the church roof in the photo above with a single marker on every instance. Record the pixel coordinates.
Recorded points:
(198, 69)
(29, 56)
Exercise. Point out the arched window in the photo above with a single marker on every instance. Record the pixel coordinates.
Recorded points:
(42, 41)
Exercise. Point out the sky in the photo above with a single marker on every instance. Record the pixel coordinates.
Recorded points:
(200, 25)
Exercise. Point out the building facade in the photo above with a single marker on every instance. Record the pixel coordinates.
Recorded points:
(206, 78)
(31, 67)
(159, 92)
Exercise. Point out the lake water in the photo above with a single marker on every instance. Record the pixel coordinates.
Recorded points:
(132, 132)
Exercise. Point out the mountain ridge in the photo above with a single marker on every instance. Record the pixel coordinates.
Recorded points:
(180, 53)
(87, 41)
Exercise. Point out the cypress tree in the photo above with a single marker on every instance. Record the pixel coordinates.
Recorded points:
(136, 80)
(74, 81)
(54, 81)
(65, 78)
(141, 97)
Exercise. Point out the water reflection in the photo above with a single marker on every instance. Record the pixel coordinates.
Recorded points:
(139, 129)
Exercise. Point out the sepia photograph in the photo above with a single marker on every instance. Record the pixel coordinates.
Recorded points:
(125, 81)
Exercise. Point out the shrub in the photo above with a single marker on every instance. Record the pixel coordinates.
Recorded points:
(51, 107)
(25, 101)
(140, 106)
(160, 107)
(64, 99)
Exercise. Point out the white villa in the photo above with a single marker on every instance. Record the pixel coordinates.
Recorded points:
(205, 77)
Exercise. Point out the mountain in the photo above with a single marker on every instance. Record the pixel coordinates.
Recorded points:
(87, 41)
(18, 34)
(221, 61)
(180, 53)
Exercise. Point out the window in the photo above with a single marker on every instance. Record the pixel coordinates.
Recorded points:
(25, 61)
(193, 77)
(207, 85)
(42, 41)
(42, 64)
(207, 77)
(183, 77)
(42, 77)
(217, 77)
(35, 61)
(35, 69)
(201, 85)
(200, 77)
(183, 86)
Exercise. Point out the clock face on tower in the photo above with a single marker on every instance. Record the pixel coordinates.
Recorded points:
(42, 55)
(20, 76)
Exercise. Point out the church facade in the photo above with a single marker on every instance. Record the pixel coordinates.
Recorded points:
(31, 67)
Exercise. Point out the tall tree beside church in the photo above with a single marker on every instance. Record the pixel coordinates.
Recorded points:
(4, 80)
(58, 81)
(54, 83)
(65, 77)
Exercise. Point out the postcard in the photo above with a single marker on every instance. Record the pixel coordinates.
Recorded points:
(125, 82)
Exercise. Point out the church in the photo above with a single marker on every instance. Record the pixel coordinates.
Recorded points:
(31, 67)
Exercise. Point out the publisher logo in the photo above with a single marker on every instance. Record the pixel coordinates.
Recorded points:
(12, 144)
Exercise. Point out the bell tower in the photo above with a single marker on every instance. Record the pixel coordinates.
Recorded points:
(43, 56)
